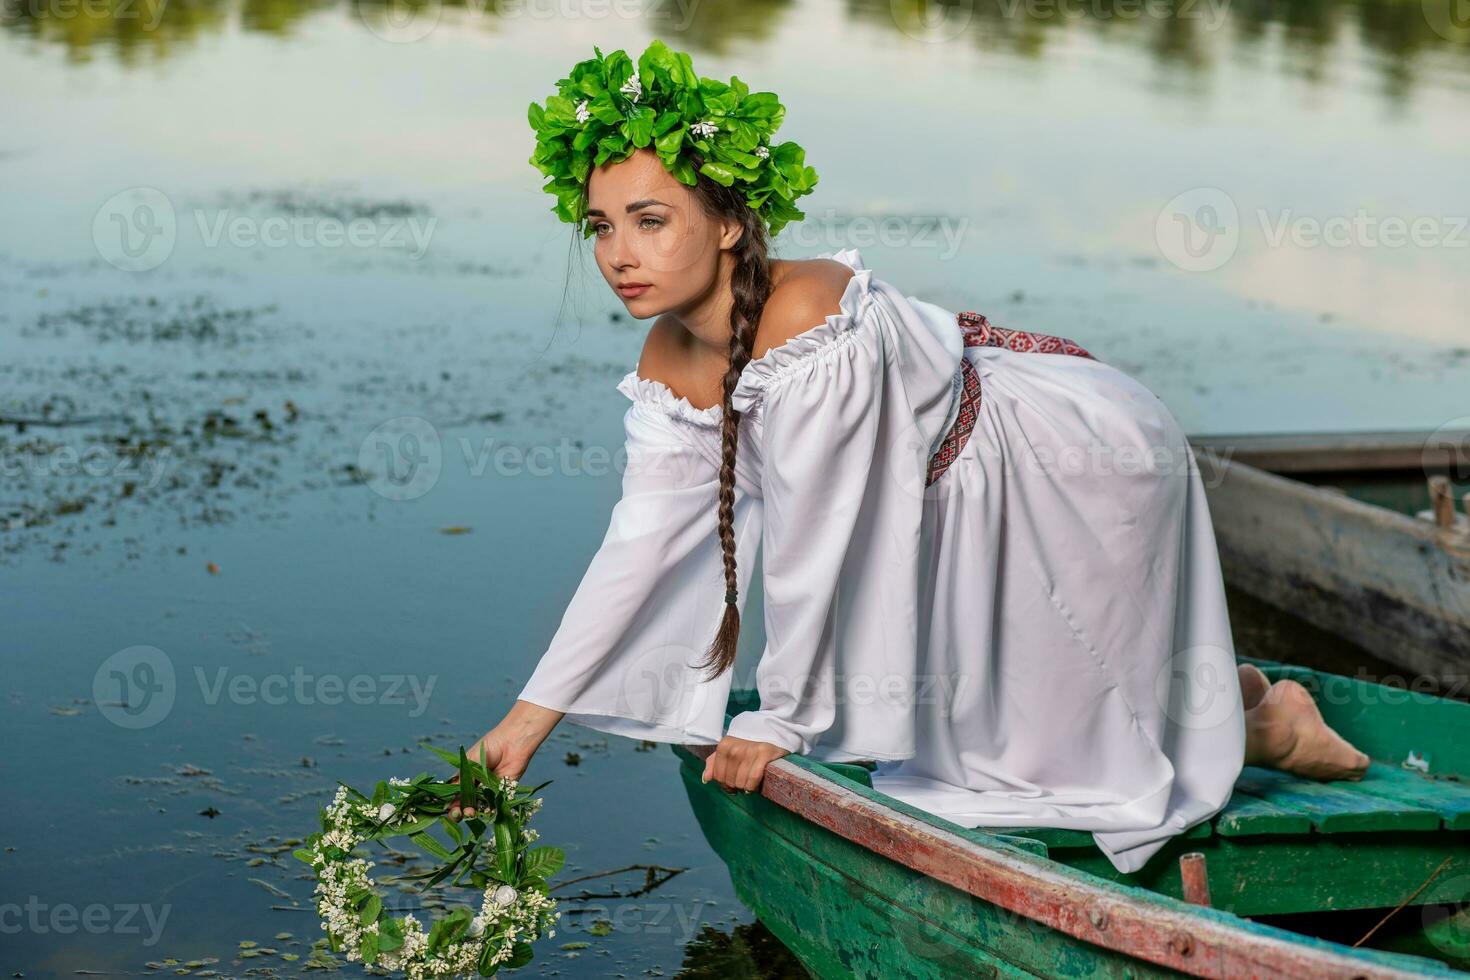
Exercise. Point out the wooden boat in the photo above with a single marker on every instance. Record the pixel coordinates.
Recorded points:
(858, 884)
(1358, 534)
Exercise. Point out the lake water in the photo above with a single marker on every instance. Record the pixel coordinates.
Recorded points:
(308, 501)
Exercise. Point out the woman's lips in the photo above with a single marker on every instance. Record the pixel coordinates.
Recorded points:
(628, 292)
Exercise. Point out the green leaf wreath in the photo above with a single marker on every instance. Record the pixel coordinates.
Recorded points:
(607, 108)
(490, 852)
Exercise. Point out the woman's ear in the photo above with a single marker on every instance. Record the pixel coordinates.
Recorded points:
(730, 232)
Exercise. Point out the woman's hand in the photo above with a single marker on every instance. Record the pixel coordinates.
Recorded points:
(506, 749)
(740, 764)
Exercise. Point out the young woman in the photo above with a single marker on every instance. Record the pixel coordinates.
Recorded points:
(987, 561)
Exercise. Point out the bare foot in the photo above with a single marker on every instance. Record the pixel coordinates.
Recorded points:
(1253, 685)
(1286, 731)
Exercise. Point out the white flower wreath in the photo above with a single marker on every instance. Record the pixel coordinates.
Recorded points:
(490, 851)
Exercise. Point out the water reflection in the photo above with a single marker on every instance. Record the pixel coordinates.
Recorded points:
(1189, 35)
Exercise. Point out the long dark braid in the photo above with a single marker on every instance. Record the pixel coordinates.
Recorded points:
(750, 287)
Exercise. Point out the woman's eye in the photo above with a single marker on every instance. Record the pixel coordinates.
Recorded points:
(656, 221)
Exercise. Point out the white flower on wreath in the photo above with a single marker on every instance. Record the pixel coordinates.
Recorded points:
(632, 87)
(704, 129)
(763, 152)
(505, 895)
(386, 811)
(583, 113)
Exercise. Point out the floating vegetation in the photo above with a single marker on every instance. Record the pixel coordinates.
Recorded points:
(320, 202)
(151, 319)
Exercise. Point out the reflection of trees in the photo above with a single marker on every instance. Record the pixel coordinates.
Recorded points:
(713, 26)
(1179, 32)
(278, 16)
(745, 951)
(136, 29)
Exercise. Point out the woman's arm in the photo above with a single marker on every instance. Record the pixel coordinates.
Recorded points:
(623, 659)
(506, 749)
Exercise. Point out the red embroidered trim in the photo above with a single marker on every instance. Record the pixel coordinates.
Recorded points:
(980, 332)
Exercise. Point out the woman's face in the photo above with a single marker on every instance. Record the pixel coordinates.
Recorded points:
(649, 229)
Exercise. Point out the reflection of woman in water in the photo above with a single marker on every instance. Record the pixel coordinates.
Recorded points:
(987, 560)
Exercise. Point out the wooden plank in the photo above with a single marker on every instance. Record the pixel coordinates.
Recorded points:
(1060, 837)
(1322, 452)
(1449, 798)
(1387, 722)
(1276, 874)
(1195, 940)
(1247, 814)
(1396, 586)
(1332, 806)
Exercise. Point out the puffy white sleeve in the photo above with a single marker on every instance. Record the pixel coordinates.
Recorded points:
(623, 659)
(847, 413)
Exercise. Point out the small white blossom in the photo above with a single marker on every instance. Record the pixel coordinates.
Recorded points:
(704, 129)
(762, 152)
(632, 87)
(583, 113)
(385, 812)
(505, 895)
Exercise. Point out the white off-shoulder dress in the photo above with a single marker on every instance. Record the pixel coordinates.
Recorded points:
(1038, 637)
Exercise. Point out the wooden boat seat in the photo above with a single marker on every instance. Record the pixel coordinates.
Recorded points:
(1286, 844)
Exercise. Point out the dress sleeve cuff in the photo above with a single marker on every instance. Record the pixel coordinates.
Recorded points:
(763, 726)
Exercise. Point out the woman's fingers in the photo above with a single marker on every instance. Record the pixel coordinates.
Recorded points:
(739, 765)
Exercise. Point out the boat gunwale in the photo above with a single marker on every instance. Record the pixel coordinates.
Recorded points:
(1451, 540)
(1198, 940)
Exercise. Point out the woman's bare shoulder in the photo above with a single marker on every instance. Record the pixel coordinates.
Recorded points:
(804, 294)
(809, 291)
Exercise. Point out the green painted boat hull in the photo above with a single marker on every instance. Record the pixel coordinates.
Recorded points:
(1281, 846)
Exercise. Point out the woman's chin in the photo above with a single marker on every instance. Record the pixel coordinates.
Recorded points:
(640, 307)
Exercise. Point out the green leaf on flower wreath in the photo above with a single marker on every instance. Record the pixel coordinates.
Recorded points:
(370, 909)
(684, 172)
(718, 172)
(486, 968)
(304, 854)
(369, 949)
(390, 933)
(422, 823)
(448, 757)
(428, 843)
(466, 780)
(452, 829)
(543, 862)
(669, 143)
(520, 955)
(639, 126)
(505, 847)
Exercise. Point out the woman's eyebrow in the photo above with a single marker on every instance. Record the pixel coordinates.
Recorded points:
(636, 205)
